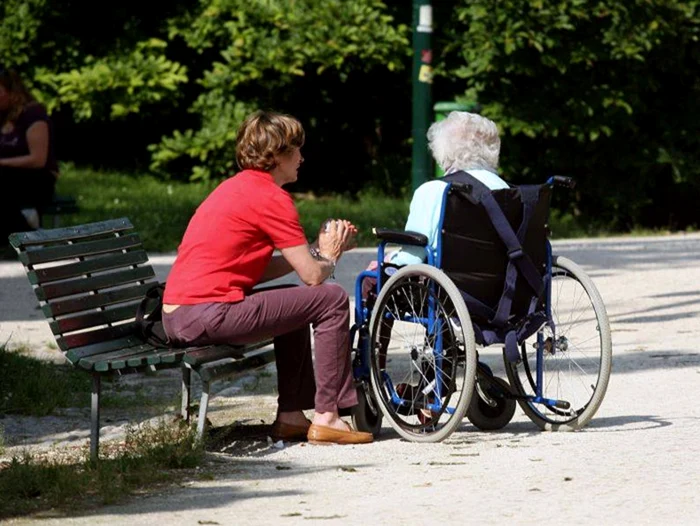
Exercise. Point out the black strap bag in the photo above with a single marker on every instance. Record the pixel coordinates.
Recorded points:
(149, 317)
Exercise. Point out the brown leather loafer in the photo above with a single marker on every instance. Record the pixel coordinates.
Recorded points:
(289, 432)
(328, 435)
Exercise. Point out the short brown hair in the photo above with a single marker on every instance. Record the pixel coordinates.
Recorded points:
(265, 134)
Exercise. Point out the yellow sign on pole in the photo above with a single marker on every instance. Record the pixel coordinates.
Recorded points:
(425, 74)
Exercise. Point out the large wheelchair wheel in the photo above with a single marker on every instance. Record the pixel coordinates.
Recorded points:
(577, 357)
(422, 354)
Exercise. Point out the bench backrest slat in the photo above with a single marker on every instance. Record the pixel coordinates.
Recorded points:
(94, 301)
(93, 319)
(81, 339)
(89, 266)
(35, 255)
(42, 237)
(80, 285)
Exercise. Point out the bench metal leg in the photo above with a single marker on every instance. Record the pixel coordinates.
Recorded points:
(186, 393)
(95, 418)
(203, 404)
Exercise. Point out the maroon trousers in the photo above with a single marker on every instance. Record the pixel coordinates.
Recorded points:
(284, 314)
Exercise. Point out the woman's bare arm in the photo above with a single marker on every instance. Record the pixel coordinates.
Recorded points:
(311, 271)
(38, 143)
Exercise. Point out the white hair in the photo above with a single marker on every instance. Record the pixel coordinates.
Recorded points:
(465, 141)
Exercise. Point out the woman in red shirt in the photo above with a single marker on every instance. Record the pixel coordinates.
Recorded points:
(228, 249)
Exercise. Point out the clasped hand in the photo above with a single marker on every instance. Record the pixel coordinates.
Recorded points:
(335, 237)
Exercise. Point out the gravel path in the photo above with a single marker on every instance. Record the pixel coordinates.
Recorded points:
(638, 462)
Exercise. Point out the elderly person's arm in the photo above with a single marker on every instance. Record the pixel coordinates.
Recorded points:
(424, 218)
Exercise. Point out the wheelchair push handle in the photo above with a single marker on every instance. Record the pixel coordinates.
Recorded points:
(562, 180)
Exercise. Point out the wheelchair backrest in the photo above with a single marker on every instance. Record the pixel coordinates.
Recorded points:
(473, 254)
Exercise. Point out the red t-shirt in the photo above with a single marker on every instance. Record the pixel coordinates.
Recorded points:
(230, 240)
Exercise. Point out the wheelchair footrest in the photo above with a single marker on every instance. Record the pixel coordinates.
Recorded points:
(559, 404)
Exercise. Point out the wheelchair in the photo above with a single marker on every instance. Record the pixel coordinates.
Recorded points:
(491, 280)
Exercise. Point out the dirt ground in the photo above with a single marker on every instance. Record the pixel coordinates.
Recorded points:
(637, 462)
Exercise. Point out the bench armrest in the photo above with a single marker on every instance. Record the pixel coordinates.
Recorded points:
(401, 237)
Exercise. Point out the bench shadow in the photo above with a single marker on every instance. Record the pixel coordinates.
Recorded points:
(220, 492)
(244, 440)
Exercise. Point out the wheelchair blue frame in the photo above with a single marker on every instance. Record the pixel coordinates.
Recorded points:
(361, 364)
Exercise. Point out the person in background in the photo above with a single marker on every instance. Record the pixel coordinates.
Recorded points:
(227, 250)
(27, 159)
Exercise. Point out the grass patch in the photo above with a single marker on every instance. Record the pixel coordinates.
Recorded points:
(151, 455)
(32, 387)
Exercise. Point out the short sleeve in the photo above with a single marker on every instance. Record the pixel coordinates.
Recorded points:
(31, 114)
(280, 221)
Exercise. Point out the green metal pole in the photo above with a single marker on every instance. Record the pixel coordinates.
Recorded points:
(422, 93)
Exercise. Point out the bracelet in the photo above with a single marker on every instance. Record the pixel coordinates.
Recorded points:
(316, 253)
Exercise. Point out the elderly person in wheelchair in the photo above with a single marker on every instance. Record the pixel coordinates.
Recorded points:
(475, 268)
(463, 142)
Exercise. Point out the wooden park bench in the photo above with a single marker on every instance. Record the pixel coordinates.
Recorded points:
(89, 280)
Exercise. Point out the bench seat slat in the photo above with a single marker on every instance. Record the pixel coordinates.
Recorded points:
(93, 301)
(202, 355)
(89, 266)
(173, 355)
(40, 237)
(91, 362)
(198, 356)
(152, 357)
(101, 281)
(93, 319)
(35, 255)
(230, 366)
(82, 339)
(76, 354)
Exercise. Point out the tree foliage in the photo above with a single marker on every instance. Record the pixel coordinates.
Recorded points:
(604, 90)
(277, 54)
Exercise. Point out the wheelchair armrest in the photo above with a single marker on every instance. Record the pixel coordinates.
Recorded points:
(401, 237)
